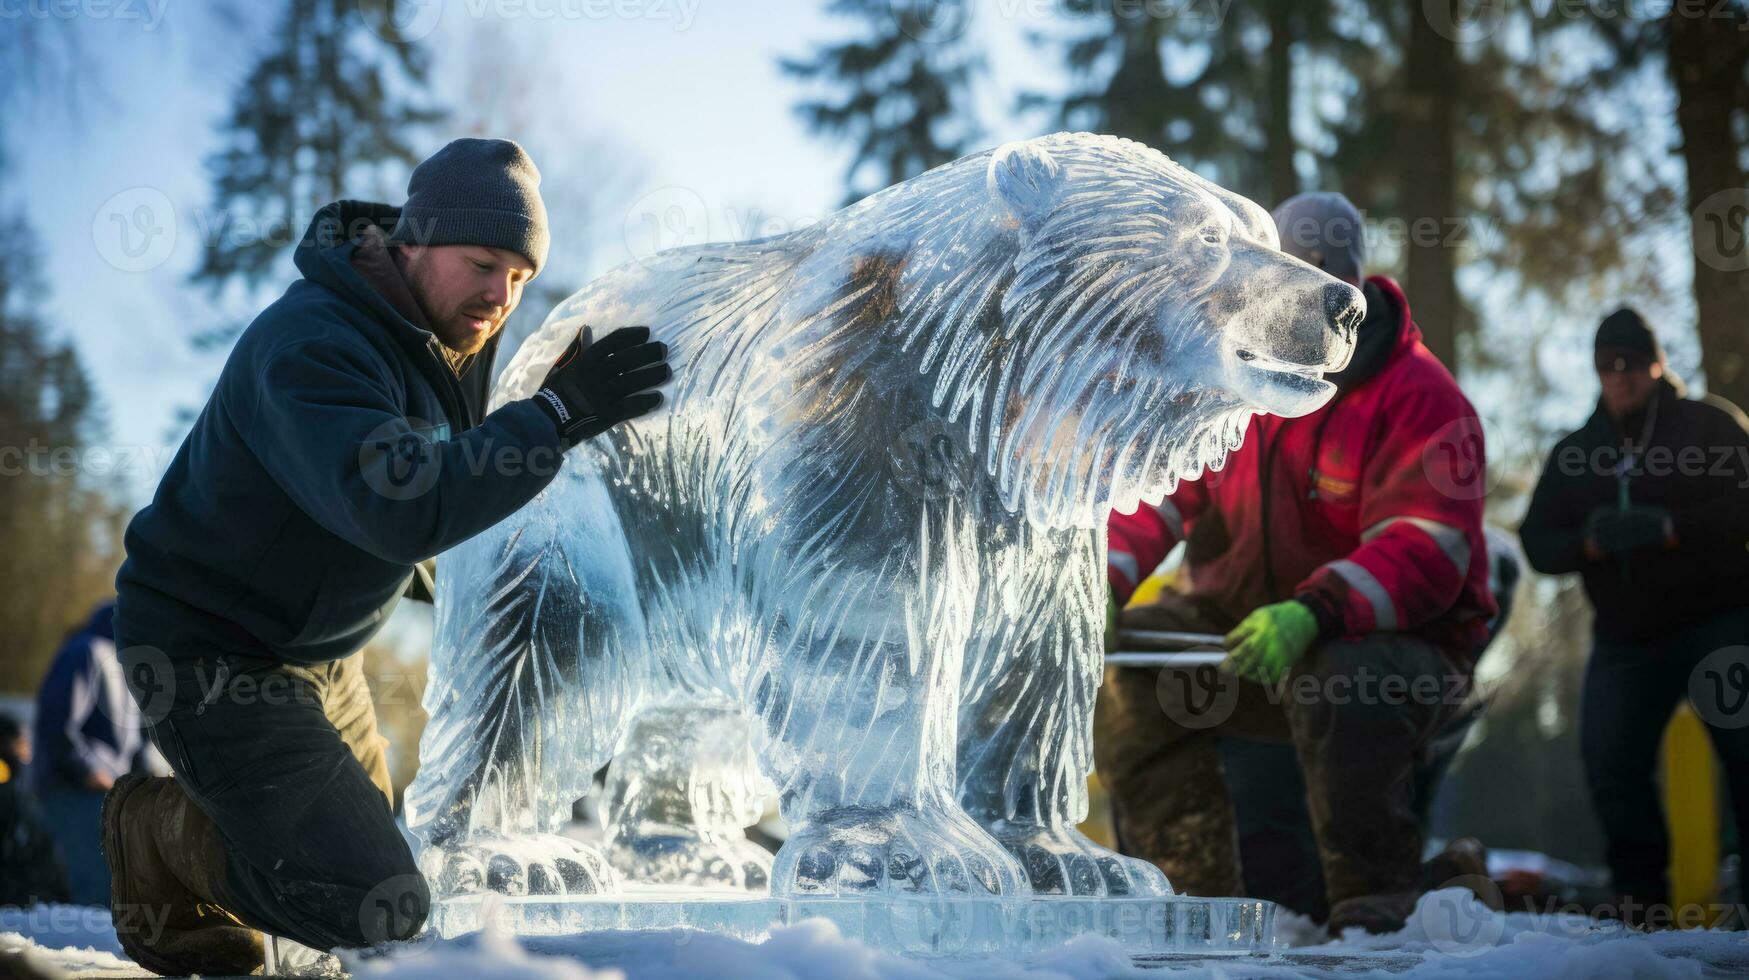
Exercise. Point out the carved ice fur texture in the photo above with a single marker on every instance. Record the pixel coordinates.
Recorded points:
(870, 517)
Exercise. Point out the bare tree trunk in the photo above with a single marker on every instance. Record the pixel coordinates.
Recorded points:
(1707, 60)
(1427, 156)
(1284, 180)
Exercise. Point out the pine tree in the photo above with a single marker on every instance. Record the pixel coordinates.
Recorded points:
(60, 525)
(1708, 58)
(899, 92)
(1452, 142)
(1502, 151)
(1426, 152)
(334, 96)
(1218, 96)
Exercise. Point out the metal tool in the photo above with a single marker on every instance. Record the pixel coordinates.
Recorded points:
(1143, 648)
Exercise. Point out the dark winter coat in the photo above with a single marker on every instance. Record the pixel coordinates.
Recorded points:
(31, 869)
(1696, 465)
(337, 450)
(1370, 507)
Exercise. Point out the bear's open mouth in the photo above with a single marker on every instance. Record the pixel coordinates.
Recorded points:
(1270, 365)
(1286, 388)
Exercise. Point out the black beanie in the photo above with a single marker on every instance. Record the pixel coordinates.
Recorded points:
(1626, 330)
(476, 192)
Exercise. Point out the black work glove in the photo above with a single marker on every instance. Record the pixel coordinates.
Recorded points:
(1614, 531)
(595, 386)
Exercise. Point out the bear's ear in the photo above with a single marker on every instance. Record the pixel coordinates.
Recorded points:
(1023, 179)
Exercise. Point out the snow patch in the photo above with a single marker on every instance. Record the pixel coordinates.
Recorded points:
(1449, 936)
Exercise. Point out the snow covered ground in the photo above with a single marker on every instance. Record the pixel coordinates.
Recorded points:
(1450, 936)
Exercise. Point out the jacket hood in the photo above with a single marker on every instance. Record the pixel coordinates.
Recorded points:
(324, 254)
(324, 257)
(1386, 333)
(1408, 334)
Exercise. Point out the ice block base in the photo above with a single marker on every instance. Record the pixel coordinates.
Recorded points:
(911, 925)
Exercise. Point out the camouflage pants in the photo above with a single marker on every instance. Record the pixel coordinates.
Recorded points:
(286, 762)
(1359, 713)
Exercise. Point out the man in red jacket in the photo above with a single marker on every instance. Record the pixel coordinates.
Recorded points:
(1342, 556)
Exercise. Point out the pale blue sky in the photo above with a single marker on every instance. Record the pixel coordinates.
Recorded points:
(655, 123)
(679, 106)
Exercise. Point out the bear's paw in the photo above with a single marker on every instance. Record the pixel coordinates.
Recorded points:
(1063, 861)
(899, 849)
(535, 864)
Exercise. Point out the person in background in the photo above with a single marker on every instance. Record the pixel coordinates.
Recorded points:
(1649, 503)
(1344, 548)
(31, 870)
(16, 749)
(1278, 852)
(89, 733)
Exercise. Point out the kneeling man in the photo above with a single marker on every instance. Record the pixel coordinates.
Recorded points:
(345, 442)
(1342, 556)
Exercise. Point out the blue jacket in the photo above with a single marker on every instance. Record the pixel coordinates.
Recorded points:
(85, 720)
(337, 450)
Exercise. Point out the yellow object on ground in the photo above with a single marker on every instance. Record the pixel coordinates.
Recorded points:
(1691, 808)
(1148, 592)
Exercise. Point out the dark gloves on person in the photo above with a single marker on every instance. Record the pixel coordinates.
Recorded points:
(595, 386)
(1615, 531)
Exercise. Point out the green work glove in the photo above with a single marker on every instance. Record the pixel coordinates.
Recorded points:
(1270, 641)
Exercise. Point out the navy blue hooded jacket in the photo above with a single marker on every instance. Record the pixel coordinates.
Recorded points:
(337, 450)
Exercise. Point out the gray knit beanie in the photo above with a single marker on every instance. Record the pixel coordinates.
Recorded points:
(476, 192)
(1323, 229)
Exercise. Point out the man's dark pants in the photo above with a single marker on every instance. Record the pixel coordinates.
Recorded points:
(1359, 713)
(1631, 689)
(287, 763)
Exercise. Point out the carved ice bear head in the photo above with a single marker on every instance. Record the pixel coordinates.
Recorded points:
(1137, 317)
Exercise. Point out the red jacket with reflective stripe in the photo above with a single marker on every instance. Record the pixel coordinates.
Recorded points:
(1374, 510)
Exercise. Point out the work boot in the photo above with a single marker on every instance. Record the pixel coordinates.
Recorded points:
(160, 848)
(1464, 864)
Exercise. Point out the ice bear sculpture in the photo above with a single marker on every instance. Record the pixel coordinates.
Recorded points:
(868, 528)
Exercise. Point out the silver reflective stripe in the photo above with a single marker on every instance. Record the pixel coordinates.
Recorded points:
(1384, 611)
(1124, 562)
(558, 404)
(1174, 520)
(1451, 540)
